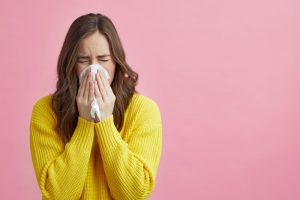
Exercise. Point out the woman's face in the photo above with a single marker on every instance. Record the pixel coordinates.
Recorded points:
(95, 49)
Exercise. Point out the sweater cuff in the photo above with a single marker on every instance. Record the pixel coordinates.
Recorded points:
(83, 134)
(108, 134)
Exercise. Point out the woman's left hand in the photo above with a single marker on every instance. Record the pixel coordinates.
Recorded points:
(104, 95)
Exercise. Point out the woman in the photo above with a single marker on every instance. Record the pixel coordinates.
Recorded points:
(76, 156)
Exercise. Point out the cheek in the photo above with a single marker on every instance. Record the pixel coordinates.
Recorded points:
(111, 71)
(112, 68)
(79, 69)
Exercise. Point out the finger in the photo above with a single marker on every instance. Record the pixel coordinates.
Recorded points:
(98, 93)
(91, 93)
(101, 85)
(106, 83)
(86, 89)
(82, 86)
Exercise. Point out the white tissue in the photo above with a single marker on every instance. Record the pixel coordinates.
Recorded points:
(94, 67)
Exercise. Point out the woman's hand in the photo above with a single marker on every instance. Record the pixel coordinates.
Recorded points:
(104, 95)
(85, 96)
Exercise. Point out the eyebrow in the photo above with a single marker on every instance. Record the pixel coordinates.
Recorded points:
(99, 56)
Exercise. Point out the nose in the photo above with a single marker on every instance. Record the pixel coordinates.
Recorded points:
(94, 61)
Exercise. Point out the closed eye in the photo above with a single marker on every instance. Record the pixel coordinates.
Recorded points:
(82, 61)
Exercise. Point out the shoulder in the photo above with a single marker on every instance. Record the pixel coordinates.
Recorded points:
(42, 110)
(143, 110)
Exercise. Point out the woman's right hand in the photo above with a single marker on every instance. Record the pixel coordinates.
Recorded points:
(85, 97)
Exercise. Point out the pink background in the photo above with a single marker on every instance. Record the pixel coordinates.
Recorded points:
(224, 73)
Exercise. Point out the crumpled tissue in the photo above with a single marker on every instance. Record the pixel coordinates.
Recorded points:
(94, 68)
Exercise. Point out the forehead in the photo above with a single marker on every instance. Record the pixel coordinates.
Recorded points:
(94, 43)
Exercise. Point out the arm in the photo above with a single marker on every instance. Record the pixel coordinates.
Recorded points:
(60, 170)
(131, 166)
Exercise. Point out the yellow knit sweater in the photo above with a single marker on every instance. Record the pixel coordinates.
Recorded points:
(98, 162)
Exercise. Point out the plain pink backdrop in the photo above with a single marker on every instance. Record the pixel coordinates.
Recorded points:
(225, 75)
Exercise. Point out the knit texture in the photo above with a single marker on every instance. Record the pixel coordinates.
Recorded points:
(99, 162)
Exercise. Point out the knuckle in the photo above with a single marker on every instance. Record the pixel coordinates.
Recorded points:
(78, 99)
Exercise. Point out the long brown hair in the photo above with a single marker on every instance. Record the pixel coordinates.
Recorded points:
(64, 98)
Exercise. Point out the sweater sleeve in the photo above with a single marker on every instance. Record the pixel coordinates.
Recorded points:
(60, 169)
(131, 166)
